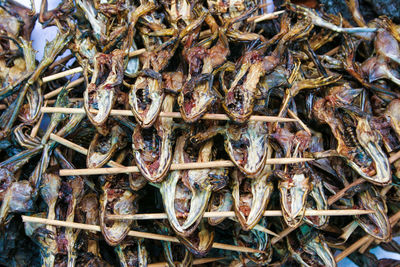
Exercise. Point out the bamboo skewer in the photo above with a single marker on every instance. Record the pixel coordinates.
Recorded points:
(58, 90)
(62, 74)
(333, 51)
(60, 61)
(176, 115)
(268, 16)
(137, 52)
(69, 144)
(180, 166)
(393, 221)
(122, 169)
(80, 69)
(207, 214)
(302, 124)
(394, 157)
(223, 214)
(138, 234)
(257, 227)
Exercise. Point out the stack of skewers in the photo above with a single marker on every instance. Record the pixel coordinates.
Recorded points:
(176, 133)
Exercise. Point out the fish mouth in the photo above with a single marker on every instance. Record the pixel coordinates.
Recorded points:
(315, 251)
(376, 224)
(198, 205)
(261, 190)
(102, 148)
(369, 142)
(117, 231)
(200, 242)
(317, 200)
(257, 240)
(239, 104)
(248, 151)
(155, 167)
(247, 159)
(367, 157)
(294, 194)
(100, 101)
(358, 145)
(224, 201)
(99, 95)
(196, 97)
(146, 97)
(239, 101)
(186, 193)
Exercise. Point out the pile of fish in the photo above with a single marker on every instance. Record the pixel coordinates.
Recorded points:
(337, 78)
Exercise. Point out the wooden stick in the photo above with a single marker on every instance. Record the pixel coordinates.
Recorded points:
(195, 262)
(68, 144)
(180, 166)
(268, 16)
(58, 90)
(351, 249)
(393, 220)
(282, 234)
(176, 115)
(118, 168)
(333, 51)
(394, 157)
(366, 245)
(342, 192)
(80, 69)
(62, 74)
(257, 227)
(138, 234)
(60, 61)
(136, 52)
(302, 124)
(79, 149)
(222, 214)
(183, 166)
